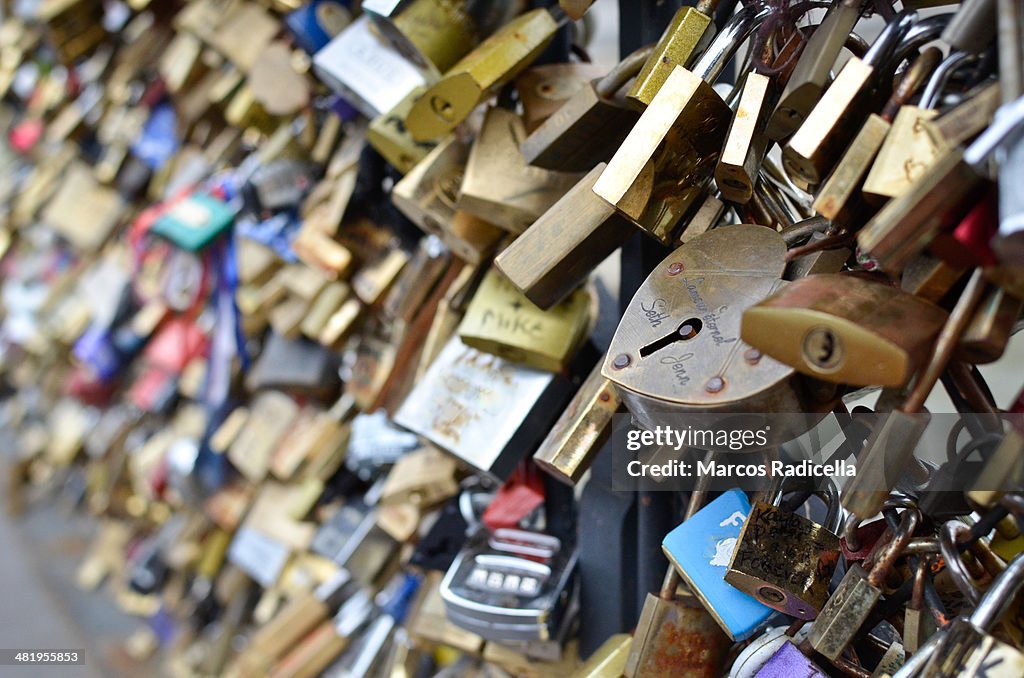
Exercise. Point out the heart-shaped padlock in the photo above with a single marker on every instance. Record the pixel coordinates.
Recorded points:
(678, 348)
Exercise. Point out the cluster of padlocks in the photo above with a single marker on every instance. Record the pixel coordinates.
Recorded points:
(299, 301)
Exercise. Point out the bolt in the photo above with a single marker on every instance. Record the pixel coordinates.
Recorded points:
(622, 360)
(675, 268)
(714, 385)
(752, 356)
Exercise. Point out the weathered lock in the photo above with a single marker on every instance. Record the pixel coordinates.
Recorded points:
(500, 320)
(481, 73)
(545, 89)
(858, 593)
(498, 185)
(745, 143)
(844, 328)
(909, 149)
(428, 195)
(838, 198)
(663, 165)
(700, 549)
(556, 254)
(967, 648)
(837, 114)
(936, 201)
(812, 72)
(678, 347)
(687, 35)
(588, 127)
(675, 634)
(785, 560)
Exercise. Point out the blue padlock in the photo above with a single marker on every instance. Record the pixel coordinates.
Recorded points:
(701, 549)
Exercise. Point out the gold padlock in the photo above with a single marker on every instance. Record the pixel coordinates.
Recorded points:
(501, 321)
(481, 73)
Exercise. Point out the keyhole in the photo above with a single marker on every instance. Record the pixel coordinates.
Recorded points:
(823, 349)
(688, 329)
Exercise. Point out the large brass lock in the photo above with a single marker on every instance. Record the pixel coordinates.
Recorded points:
(678, 346)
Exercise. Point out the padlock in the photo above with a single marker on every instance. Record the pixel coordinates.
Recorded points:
(844, 328)
(609, 660)
(909, 149)
(484, 410)
(428, 196)
(814, 148)
(761, 649)
(812, 72)
(367, 70)
(662, 167)
(588, 127)
(700, 549)
(858, 593)
(498, 186)
(678, 349)
(837, 198)
(937, 200)
(544, 89)
(300, 616)
(435, 34)
(581, 430)
(556, 254)
(389, 137)
(676, 635)
(687, 35)
(785, 560)
(745, 143)
(787, 661)
(481, 73)
(966, 648)
(511, 585)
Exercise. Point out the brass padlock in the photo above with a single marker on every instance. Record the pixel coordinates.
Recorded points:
(858, 593)
(663, 165)
(545, 89)
(837, 114)
(838, 198)
(428, 196)
(678, 345)
(501, 321)
(498, 185)
(581, 431)
(556, 254)
(588, 127)
(481, 73)
(845, 329)
(686, 36)
(813, 70)
(388, 135)
(785, 560)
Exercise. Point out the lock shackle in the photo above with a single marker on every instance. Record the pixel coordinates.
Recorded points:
(921, 72)
(949, 538)
(891, 552)
(1000, 595)
(889, 39)
(622, 72)
(942, 74)
(737, 29)
(921, 33)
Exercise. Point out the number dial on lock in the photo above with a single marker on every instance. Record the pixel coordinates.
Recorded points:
(678, 347)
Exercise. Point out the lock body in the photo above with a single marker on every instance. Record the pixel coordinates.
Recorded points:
(784, 560)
